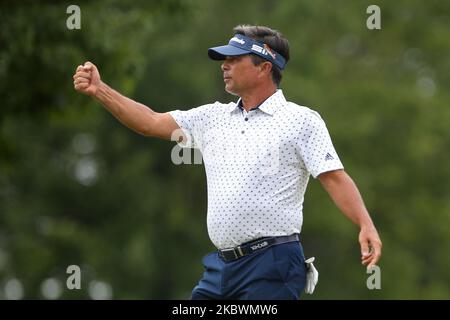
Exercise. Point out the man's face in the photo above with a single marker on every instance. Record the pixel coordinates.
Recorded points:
(240, 74)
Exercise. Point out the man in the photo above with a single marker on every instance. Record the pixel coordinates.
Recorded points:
(258, 155)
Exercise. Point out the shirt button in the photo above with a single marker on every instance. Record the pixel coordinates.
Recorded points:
(246, 119)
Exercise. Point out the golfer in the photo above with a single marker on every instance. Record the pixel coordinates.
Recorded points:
(258, 153)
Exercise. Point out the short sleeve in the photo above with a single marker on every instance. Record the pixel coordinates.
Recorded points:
(193, 123)
(315, 146)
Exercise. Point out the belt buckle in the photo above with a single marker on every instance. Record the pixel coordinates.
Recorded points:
(235, 252)
(224, 253)
(240, 251)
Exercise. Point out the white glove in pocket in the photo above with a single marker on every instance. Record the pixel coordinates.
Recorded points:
(312, 276)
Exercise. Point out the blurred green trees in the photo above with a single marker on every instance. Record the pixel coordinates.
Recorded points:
(76, 187)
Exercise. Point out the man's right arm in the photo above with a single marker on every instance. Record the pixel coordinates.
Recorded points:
(132, 114)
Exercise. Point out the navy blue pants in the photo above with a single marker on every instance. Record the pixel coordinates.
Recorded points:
(274, 273)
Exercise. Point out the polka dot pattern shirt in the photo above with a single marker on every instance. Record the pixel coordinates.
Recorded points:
(257, 165)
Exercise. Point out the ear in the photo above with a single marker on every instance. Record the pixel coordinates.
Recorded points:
(266, 68)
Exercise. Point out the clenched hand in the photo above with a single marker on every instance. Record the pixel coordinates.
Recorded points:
(86, 79)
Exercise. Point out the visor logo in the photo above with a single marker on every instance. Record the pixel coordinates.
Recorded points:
(258, 49)
(267, 48)
(236, 39)
(265, 51)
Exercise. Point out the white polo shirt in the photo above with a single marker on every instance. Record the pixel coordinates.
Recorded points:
(257, 165)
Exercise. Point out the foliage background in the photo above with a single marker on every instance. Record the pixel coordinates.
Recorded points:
(76, 187)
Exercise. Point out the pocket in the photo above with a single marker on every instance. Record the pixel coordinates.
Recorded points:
(290, 264)
(288, 254)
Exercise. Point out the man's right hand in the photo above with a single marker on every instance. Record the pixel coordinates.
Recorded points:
(87, 79)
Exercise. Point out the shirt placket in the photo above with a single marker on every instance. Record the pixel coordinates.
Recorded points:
(246, 119)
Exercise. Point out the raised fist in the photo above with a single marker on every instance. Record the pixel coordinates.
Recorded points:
(86, 79)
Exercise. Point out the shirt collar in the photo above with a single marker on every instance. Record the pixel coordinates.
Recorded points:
(269, 106)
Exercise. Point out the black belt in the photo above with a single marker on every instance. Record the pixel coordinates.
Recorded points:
(253, 246)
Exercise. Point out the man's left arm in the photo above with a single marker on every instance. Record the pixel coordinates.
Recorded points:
(347, 198)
